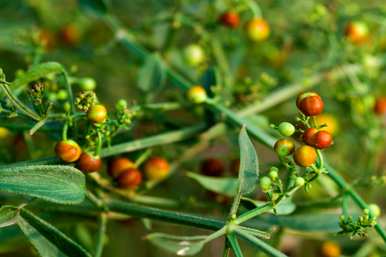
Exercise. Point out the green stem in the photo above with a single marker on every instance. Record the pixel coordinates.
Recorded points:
(101, 235)
(18, 104)
(253, 213)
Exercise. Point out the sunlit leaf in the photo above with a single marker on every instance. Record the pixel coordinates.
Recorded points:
(226, 186)
(182, 246)
(56, 183)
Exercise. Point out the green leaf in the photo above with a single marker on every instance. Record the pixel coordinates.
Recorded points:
(56, 183)
(182, 246)
(152, 74)
(260, 244)
(249, 164)
(248, 171)
(284, 207)
(98, 7)
(48, 240)
(36, 72)
(234, 245)
(7, 216)
(225, 186)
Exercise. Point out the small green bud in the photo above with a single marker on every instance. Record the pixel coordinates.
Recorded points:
(66, 106)
(273, 174)
(121, 105)
(265, 184)
(87, 84)
(374, 210)
(286, 129)
(62, 95)
(300, 181)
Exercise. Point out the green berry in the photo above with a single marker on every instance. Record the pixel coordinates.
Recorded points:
(273, 174)
(87, 84)
(286, 129)
(265, 184)
(121, 105)
(62, 95)
(300, 181)
(374, 210)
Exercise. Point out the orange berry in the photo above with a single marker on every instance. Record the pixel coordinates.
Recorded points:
(89, 163)
(68, 150)
(118, 165)
(157, 168)
(305, 156)
(130, 178)
(258, 29)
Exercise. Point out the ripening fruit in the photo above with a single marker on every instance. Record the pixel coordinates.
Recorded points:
(284, 147)
(322, 139)
(305, 156)
(119, 165)
(46, 39)
(330, 122)
(230, 19)
(197, 94)
(309, 136)
(130, 178)
(70, 35)
(299, 182)
(212, 167)
(330, 249)
(286, 129)
(4, 133)
(157, 168)
(310, 104)
(380, 106)
(265, 184)
(258, 29)
(357, 32)
(374, 210)
(97, 113)
(68, 150)
(89, 163)
(194, 55)
(87, 84)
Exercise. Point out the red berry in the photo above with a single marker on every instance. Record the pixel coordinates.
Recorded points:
(130, 178)
(380, 106)
(322, 139)
(68, 150)
(302, 96)
(119, 165)
(97, 113)
(89, 163)
(305, 156)
(309, 136)
(70, 35)
(212, 167)
(311, 105)
(230, 19)
(157, 168)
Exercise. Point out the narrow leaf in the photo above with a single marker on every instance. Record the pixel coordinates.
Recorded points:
(7, 216)
(182, 246)
(98, 7)
(234, 245)
(284, 207)
(48, 240)
(152, 74)
(225, 186)
(56, 183)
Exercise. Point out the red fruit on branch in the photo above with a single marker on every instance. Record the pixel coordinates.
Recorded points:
(68, 150)
(305, 156)
(157, 168)
(357, 32)
(230, 19)
(119, 165)
(308, 136)
(89, 163)
(130, 178)
(380, 106)
(310, 104)
(322, 139)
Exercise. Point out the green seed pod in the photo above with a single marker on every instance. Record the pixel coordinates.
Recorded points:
(265, 184)
(286, 129)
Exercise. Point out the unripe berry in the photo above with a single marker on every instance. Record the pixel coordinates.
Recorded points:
(305, 156)
(89, 163)
(273, 174)
(322, 139)
(62, 95)
(309, 136)
(130, 178)
(68, 150)
(374, 210)
(212, 167)
(97, 113)
(195, 55)
(286, 129)
(310, 105)
(87, 84)
(157, 168)
(258, 29)
(299, 182)
(357, 32)
(119, 165)
(380, 106)
(284, 147)
(330, 249)
(197, 94)
(230, 19)
(265, 184)
(121, 105)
